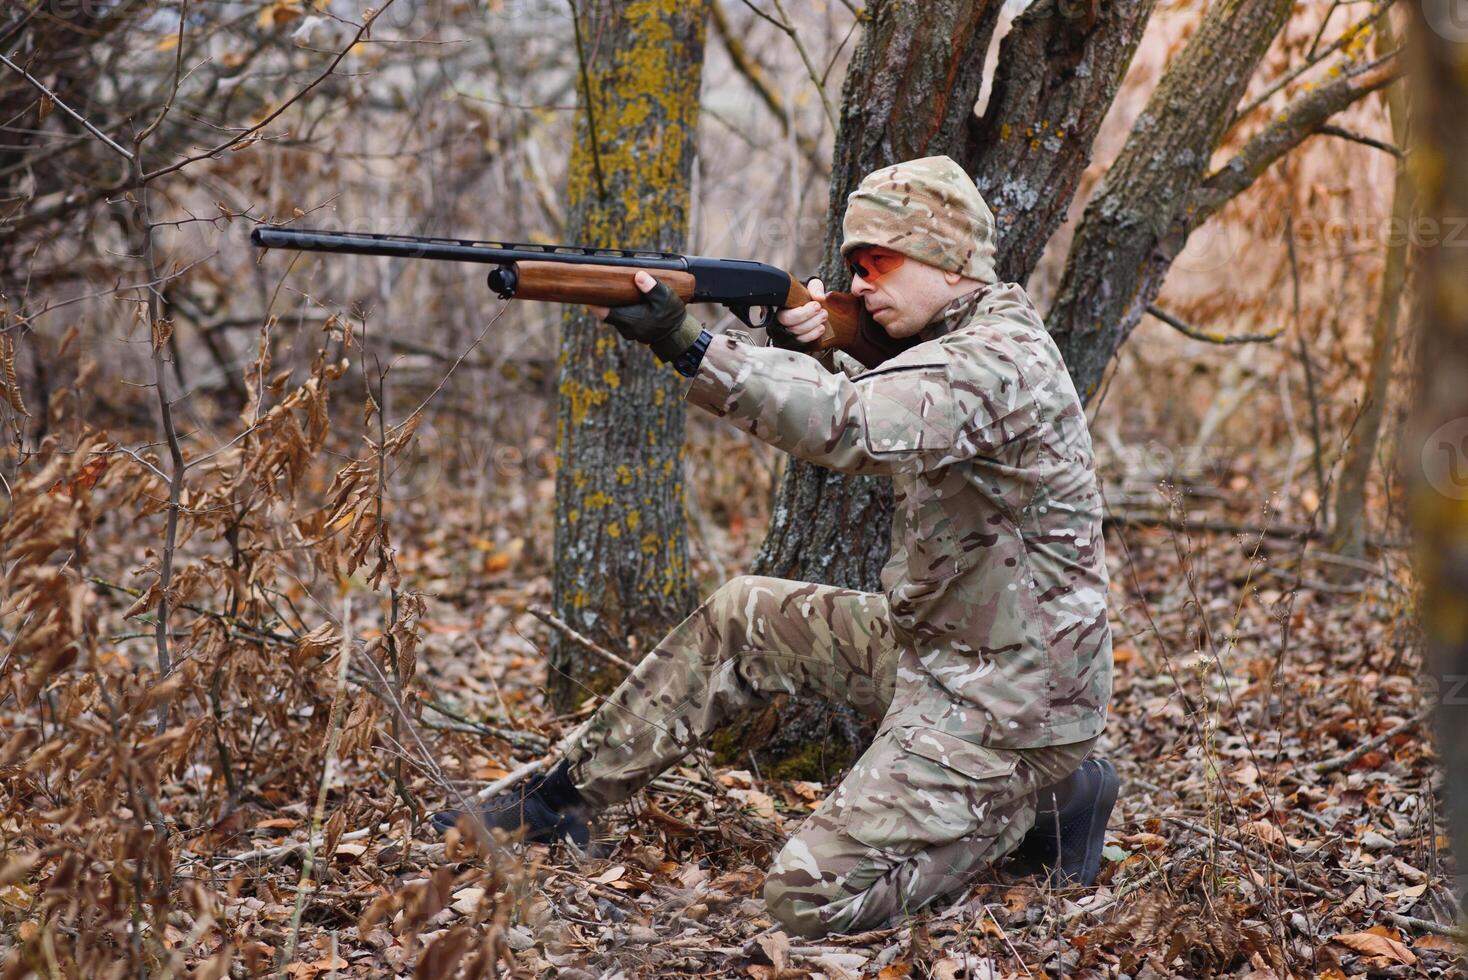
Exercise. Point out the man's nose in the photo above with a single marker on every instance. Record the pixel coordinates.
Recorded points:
(860, 287)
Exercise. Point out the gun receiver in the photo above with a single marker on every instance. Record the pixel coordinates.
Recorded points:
(600, 276)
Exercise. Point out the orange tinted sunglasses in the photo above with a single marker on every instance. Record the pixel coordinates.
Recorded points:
(872, 262)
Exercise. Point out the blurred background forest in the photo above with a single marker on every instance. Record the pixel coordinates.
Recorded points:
(299, 548)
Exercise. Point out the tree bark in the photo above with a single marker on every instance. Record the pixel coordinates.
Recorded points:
(1059, 68)
(621, 558)
(1439, 441)
(1348, 534)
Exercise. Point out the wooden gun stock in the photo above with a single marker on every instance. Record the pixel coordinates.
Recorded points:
(849, 327)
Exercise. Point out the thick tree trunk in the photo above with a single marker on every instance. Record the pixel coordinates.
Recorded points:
(1434, 465)
(621, 559)
(910, 91)
(1348, 535)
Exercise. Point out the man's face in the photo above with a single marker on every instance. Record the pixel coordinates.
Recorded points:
(901, 293)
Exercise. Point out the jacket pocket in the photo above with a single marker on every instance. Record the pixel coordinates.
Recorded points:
(908, 408)
(918, 788)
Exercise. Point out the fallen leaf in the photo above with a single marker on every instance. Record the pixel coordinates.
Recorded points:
(1245, 775)
(737, 779)
(1375, 944)
(1439, 944)
(776, 946)
(278, 823)
(1265, 831)
(611, 874)
(326, 964)
(466, 900)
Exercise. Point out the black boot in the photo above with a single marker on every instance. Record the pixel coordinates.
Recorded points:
(546, 808)
(1070, 826)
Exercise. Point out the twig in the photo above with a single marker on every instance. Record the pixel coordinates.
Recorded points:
(1341, 761)
(747, 67)
(505, 782)
(1183, 855)
(66, 108)
(591, 134)
(271, 117)
(1425, 925)
(1346, 37)
(1364, 140)
(333, 739)
(550, 619)
(1210, 337)
(1286, 531)
(160, 331)
(783, 23)
(519, 739)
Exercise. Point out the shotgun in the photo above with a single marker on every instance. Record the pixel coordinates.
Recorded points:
(603, 276)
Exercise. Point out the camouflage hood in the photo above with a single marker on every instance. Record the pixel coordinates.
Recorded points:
(927, 209)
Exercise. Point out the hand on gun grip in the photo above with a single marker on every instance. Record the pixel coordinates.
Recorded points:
(659, 319)
(799, 326)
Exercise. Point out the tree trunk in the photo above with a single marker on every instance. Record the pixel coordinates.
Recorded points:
(910, 91)
(621, 559)
(1059, 69)
(1134, 226)
(1348, 536)
(1434, 465)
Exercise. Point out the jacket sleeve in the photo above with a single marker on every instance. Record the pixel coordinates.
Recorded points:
(942, 401)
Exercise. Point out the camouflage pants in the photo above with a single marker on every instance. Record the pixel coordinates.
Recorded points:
(920, 814)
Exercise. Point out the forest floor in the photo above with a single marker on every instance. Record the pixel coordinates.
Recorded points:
(1279, 813)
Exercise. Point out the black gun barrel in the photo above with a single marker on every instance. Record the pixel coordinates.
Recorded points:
(741, 284)
(458, 249)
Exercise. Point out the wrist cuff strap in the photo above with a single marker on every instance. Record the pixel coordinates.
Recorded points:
(687, 362)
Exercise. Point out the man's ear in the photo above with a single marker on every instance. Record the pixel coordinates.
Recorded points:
(952, 278)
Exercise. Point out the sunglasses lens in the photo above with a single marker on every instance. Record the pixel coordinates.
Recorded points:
(871, 264)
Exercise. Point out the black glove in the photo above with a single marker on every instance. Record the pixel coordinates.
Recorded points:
(659, 320)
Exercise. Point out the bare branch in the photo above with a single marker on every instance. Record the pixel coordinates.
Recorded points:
(1363, 139)
(66, 108)
(1346, 37)
(783, 23)
(238, 138)
(1210, 336)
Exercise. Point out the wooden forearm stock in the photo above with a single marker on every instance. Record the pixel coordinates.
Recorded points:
(849, 328)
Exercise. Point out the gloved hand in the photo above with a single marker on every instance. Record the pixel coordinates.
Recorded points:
(659, 319)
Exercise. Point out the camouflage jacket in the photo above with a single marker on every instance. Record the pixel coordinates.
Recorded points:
(997, 582)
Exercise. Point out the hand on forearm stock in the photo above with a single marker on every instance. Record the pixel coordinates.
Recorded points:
(659, 319)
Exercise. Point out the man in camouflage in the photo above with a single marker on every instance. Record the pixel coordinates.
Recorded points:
(987, 658)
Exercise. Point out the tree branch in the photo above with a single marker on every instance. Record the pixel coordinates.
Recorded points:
(65, 108)
(1210, 336)
(1301, 119)
(1364, 140)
